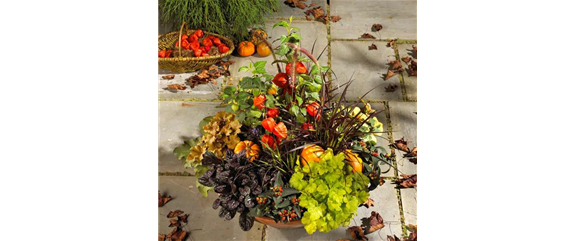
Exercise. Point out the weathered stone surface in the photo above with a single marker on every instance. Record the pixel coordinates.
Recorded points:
(284, 11)
(410, 81)
(203, 221)
(404, 124)
(383, 140)
(409, 199)
(399, 19)
(179, 121)
(353, 60)
(209, 91)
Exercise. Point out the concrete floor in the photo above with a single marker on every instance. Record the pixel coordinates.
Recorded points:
(180, 113)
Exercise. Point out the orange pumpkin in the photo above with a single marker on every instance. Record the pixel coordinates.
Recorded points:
(263, 49)
(311, 153)
(257, 40)
(246, 48)
(251, 149)
(354, 160)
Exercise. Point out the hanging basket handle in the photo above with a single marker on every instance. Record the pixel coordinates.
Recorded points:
(180, 32)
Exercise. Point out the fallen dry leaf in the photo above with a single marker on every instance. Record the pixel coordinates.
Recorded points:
(406, 59)
(401, 145)
(183, 218)
(186, 104)
(367, 36)
(393, 238)
(162, 200)
(343, 240)
(176, 87)
(396, 65)
(391, 88)
(414, 161)
(375, 222)
(357, 233)
(172, 232)
(390, 74)
(161, 237)
(414, 49)
(312, 5)
(308, 18)
(173, 214)
(335, 18)
(317, 12)
(391, 43)
(174, 223)
(369, 203)
(412, 153)
(301, 5)
(407, 181)
(178, 236)
(376, 27)
(413, 234)
(413, 68)
(169, 76)
(373, 46)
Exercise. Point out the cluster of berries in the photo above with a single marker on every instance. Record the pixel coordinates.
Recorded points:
(286, 215)
(261, 200)
(295, 200)
(277, 191)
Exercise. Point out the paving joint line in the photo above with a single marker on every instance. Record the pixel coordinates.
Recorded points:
(401, 76)
(328, 26)
(397, 41)
(264, 233)
(176, 174)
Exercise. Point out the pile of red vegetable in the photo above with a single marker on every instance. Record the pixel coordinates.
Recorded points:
(199, 43)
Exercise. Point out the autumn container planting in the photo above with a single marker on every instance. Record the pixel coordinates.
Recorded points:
(288, 149)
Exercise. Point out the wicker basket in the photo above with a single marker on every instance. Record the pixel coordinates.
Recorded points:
(188, 64)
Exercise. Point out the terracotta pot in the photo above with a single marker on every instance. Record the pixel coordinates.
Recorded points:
(280, 225)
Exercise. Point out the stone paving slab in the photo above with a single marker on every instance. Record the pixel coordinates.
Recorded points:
(410, 81)
(404, 124)
(310, 31)
(386, 204)
(409, 199)
(383, 140)
(354, 59)
(399, 19)
(202, 217)
(208, 91)
(284, 11)
(179, 121)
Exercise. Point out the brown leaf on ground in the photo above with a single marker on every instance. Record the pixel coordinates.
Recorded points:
(335, 18)
(357, 233)
(373, 46)
(183, 218)
(406, 59)
(367, 36)
(391, 43)
(407, 181)
(369, 203)
(301, 5)
(172, 232)
(176, 87)
(375, 222)
(162, 200)
(413, 68)
(413, 235)
(308, 18)
(317, 12)
(396, 65)
(161, 237)
(412, 153)
(414, 49)
(174, 223)
(401, 145)
(178, 236)
(312, 5)
(390, 73)
(213, 67)
(203, 74)
(376, 27)
(173, 214)
(414, 161)
(169, 76)
(391, 88)
(393, 238)
(343, 240)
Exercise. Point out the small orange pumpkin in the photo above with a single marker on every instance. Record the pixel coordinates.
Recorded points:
(257, 40)
(246, 48)
(311, 153)
(354, 160)
(251, 149)
(263, 49)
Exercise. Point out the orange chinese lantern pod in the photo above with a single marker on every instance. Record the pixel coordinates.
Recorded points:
(354, 160)
(273, 113)
(259, 101)
(281, 80)
(390, 74)
(280, 130)
(313, 109)
(308, 126)
(268, 124)
(311, 153)
(269, 140)
(301, 69)
(251, 149)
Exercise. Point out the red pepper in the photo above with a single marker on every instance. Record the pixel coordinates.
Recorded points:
(273, 113)
(301, 69)
(198, 33)
(259, 101)
(216, 41)
(197, 52)
(280, 130)
(268, 124)
(223, 48)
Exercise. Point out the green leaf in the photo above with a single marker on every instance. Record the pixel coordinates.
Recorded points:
(182, 151)
(294, 110)
(282, 23)
(254, 113)
(241, 116)
(256, 92)
(229, 90)
(278, 181)
(260, 64)
(296, 36)
(283, 50)
(243, 69)
(299, 100)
